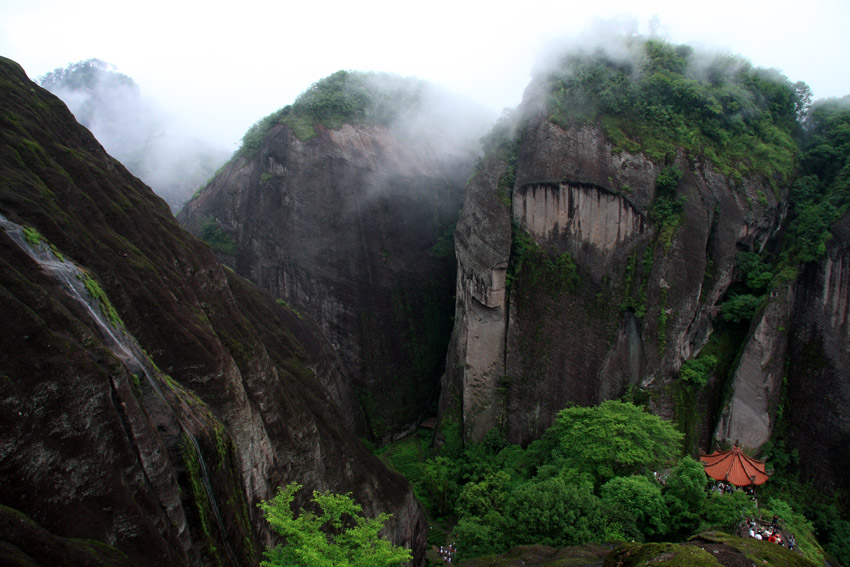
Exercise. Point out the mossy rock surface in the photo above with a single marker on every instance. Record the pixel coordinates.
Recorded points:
(666, 554)
(587, 555)
(25, 543)
(759, 552)
(706, 549)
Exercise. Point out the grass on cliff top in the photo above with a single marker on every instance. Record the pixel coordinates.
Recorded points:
(345, 97)
(658, 97)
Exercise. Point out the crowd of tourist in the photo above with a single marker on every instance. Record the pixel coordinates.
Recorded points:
(753, 527)
(447, 553)
(771, 533)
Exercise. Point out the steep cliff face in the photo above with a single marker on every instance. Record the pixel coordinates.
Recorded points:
(151, 409)
(602, 297)
(343, 226)
(749, 415)
(818, 387)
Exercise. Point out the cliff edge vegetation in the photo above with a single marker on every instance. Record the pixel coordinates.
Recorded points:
(658, 98)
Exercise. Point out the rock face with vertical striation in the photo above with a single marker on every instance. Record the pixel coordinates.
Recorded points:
(587, 213)
(143, 416)
(350, 226)
(818, 388)
(589, 298)
(749, 416)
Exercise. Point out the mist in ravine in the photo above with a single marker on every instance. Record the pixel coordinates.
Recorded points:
(134, 130)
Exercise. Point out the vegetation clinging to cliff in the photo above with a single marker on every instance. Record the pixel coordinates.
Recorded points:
(821, 195)
(657, 99)
(345, 97)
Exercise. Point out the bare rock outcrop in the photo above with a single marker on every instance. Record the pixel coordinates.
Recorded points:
(602, 299)
(343, 227)
(750, 414)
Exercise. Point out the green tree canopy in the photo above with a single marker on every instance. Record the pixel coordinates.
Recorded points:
(698, 370)
(822, 193)
(552, 512)
(638, 502)
(334, 535)
(685, 496)
(614, 439)
(725, 511)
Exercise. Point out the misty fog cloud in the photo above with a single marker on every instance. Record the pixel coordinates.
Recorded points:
(135, 130)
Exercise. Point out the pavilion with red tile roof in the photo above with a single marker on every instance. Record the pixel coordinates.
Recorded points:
(735, 467)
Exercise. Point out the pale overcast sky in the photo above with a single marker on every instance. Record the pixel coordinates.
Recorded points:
(222, 66)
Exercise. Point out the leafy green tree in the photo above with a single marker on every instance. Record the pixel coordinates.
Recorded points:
(755, 272)
(725, 511)
(668, 180)
(685, 495)
(476, 536)
(335, 535)
(614, 439)
(477, 498)
(698, 370)
(218, 240)
(638, 501)
(739, 308)
(809, 232)
(440, 484)
(555, 513)
(822, 193)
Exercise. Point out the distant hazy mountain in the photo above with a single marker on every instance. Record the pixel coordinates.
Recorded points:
(134, 130)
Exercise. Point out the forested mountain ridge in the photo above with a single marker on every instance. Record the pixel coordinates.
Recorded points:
(148, 408)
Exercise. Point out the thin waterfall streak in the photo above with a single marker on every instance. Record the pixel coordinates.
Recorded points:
(122, 344)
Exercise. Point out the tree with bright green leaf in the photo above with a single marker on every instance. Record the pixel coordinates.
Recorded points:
(697, 371)
(740, 308)
(477, 498)
(334, 533)
(637, 501)
(685, 495)
(726, 511)
(614, 439)
(555, 513)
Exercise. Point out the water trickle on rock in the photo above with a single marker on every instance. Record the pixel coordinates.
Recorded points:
(121, 343)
